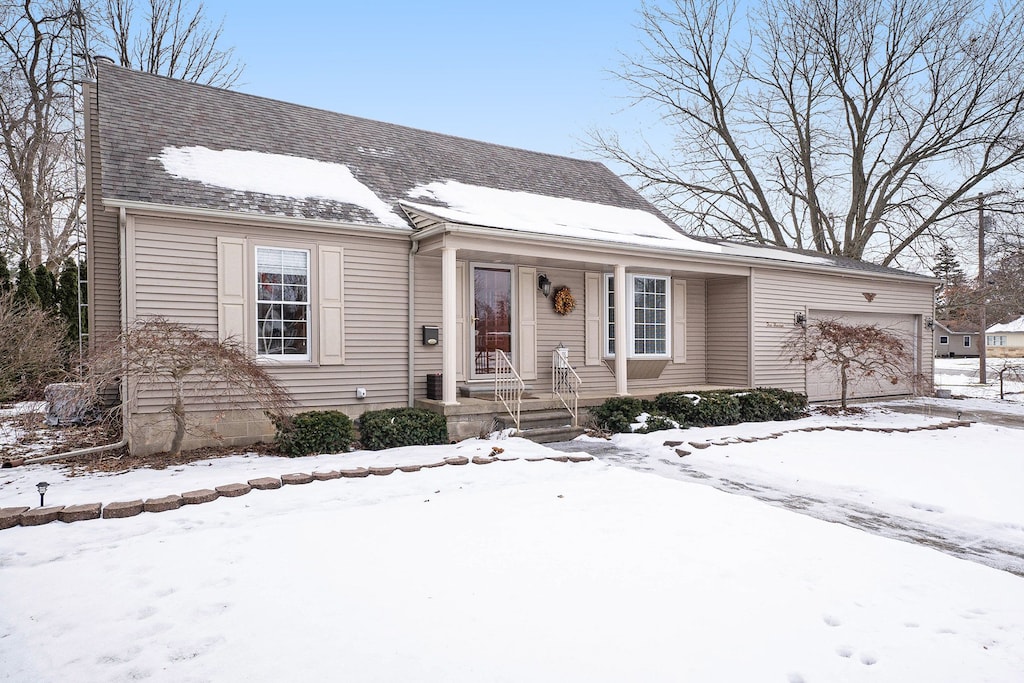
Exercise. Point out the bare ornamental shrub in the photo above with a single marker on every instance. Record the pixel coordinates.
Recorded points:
(32, 352)
(856, 352)
(170, 361)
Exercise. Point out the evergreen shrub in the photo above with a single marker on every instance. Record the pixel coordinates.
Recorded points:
(396, 427)
(314, 432)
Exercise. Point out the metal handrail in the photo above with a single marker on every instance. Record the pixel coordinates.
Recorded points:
(508, 386)
(565, 383)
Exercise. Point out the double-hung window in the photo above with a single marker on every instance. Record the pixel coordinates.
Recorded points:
(967, 341)
(996, 340)
(647, 309)
(282, 303)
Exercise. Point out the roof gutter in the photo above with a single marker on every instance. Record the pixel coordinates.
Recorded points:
(218, 215)
(604, 247)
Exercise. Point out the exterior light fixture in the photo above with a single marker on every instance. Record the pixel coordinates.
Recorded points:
(544, 284)
(800, 319)
(41, 487)
(930, 322)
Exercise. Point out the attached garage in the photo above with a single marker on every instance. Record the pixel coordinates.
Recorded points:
(823, 382)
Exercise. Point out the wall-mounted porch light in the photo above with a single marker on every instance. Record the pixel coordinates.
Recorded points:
(800, 319)
(544, 284)
(930, 322)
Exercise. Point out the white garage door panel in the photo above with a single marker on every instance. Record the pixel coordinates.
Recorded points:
(823, 379)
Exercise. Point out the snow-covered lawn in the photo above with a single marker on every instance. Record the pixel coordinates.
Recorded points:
(529, 571)
(960, 375)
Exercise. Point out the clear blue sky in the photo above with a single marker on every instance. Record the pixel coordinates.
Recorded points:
(530, 74)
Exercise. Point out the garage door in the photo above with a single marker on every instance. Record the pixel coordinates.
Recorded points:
(823, 379)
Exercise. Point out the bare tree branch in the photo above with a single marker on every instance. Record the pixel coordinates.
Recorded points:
(851, 127)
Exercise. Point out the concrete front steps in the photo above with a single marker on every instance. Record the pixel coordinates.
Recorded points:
(547, 425)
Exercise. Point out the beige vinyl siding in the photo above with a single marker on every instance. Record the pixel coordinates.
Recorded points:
(570, 330)
(104, 288)
(427, 300)
(554, 329)
(778, 294)
(176, 277)
(728, 331)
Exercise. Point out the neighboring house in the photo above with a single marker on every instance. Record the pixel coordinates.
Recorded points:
(358, 258)
(954, 339)
(1006, 340)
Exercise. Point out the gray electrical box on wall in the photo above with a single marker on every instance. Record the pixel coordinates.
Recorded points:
(430, 335)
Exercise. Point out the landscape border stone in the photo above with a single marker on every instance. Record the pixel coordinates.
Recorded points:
(296, 478)
(80, 513)
(37, 516)
(163, 504)
(327, 476)
(122, 509)
(199, 496)
(265, 483)
(11, 517)
(233, 490)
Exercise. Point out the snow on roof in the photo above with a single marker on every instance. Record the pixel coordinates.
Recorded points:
(1012, 326)
(275, 174)
(776, 254)
(493, 208)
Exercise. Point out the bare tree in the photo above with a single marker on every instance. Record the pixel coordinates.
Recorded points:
(168, 37)
(168, 361)
(848, 127)
(39, 202)
(32, 349)
(855, 351)
(40, 42)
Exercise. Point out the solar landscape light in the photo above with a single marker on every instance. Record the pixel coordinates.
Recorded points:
(41, 487)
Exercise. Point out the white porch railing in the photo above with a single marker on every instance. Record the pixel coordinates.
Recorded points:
(565, 383)
(508, 386)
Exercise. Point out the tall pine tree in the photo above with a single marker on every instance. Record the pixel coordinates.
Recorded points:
(25, 292)
(68, 299)
(947, 266)
(5, 275)
(46, 288)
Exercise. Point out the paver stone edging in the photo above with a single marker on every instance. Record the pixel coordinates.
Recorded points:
(11, 517)
(297, 478)
(233, 490)
(162, 504)
(80, 513)
(122, 509)
(39, 516)
(265, 483)
(199, 496)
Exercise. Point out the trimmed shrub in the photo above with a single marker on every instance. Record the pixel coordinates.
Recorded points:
(767, 404)
(656, 423)
(700, 409)
(717, 408)
(681, 407)
(396, 427)
(313, 432)
(617, 414)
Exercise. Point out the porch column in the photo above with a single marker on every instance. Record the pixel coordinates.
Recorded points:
(449, 351)
(621, 332)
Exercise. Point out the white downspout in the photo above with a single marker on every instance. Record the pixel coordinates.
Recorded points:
(413, 249)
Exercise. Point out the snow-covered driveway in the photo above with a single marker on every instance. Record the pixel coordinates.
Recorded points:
(956, 490)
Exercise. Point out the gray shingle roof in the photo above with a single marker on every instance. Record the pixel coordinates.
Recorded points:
(141, 114)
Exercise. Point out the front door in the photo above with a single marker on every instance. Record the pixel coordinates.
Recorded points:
(492, 317)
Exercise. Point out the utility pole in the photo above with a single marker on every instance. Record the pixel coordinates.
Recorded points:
(982, 286)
